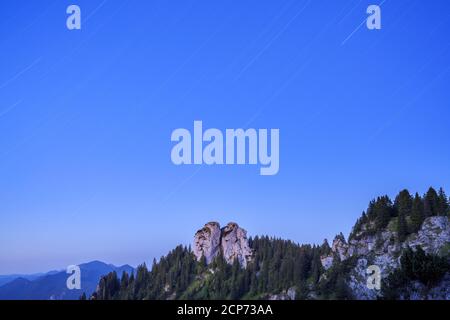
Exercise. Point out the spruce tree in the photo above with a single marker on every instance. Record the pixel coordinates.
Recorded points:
(341, 289)
(403, 207)
(402, 228)
(403, 203)
(430, 203)
(383, 212)
(417, 215)
(315, 267)
(325, 248)
(443, 205)
(124, 280)
(302, 291)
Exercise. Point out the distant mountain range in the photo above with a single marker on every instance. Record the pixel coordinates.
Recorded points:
(52, 285)
(10, 277)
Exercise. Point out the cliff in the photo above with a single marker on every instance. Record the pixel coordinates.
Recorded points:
(230, 241)
(384, 250)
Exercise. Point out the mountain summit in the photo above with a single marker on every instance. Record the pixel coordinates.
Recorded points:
(230, 241)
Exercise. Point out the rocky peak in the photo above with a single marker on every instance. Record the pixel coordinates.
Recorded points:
(384, 251)
(231, 241)
(432, 236)
(340, 247)
(235, 244)
(207, 241)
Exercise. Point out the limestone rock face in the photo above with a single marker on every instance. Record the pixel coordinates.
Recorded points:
(340, 250)
(231, 241)
(235, 244)
(288, 294)
(382, 250)
(327, 261)
(340, 247)
(432, 236)
(207, 241)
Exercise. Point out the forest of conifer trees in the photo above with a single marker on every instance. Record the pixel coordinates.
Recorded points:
(282, 264)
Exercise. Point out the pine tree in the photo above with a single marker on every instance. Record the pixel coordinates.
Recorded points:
(302, 291)
(443, 204)
(402, 228)
(360, 222)
(383, 212)
(325, 248)
(416, 265)
(140, 282)
(430, 203)
(371, 214)
(417, 215)
(124, 280)
(202, 265)
(403, 207)
(315, 267)
(403, 203)
(341, 290)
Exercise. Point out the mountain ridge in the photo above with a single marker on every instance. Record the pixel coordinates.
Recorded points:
(408, 239)
(52, 285)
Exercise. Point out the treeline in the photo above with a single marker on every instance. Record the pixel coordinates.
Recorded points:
(409, 212)
(277, 266)
(169, 277)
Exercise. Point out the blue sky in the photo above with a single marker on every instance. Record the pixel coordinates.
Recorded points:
(86, 118)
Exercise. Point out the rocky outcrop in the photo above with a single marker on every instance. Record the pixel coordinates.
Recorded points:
(235, 244)
(340, 247)
(339, 250)
(432, 236)
(231, 241)
(327, 261)
(207, 241)
(357, 282)
(288, 294)
(384, 251)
